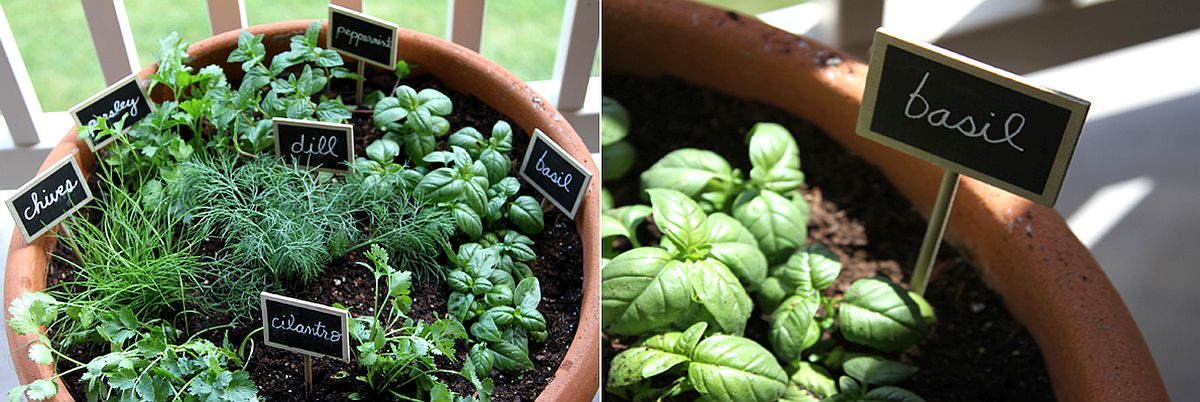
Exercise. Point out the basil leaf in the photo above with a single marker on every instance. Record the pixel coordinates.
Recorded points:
(771, 293)
(735, 247)
(778, 225)
(693, 172)
(468, 138)
(437, 103)
(679, 218)
(810, 269)
(790, 327)
(509, 357)
(485, 329)
(732, 368)
(528, 294)
(880, 314)
(890, 394)
(440, 185)
(610, 228)
(467, 220)
(614, 121)
(383, 150)
(387, 112)
(810, 382)
(497, 164)
(878, 371)
(526, 213)
(616, 160)
(643, 290)
(718, 290)
(638, 363)
(775, 158)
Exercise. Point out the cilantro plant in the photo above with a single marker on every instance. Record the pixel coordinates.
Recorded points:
(686, 301)
(396, 350)
(147, 361)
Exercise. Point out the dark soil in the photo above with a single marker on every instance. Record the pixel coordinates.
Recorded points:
(975, 352)
(279, 374)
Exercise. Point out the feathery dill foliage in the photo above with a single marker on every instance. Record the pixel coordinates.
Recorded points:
(412, 230)
(272, 217)
(135, 256)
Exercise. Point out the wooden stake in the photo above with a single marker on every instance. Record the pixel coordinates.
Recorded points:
(933, 233)
(358, 96)
(308, 375)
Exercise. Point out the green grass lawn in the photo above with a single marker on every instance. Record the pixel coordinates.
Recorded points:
(521, 35)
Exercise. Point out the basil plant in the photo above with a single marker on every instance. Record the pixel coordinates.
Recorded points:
(723, 239)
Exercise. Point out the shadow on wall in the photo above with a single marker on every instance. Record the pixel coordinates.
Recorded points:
(1139, 170)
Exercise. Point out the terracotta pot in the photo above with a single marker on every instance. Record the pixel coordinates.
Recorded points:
(459, 68)
(1047, 278)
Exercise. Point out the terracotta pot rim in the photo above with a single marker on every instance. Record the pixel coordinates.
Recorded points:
(1049, 281)
(460, 69)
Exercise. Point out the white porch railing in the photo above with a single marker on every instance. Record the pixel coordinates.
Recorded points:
(31, 132)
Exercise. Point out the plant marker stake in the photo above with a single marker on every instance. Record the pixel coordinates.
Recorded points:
(358, 95)
(308, 375)
(933, 234)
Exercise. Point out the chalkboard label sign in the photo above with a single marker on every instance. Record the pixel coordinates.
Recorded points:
(970, 118)
(125, 99)
(305, 327)
(362, 36)
(555, 174)
(315, 145)
(49, 198)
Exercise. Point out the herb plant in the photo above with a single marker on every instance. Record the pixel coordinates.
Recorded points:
(723, 239)
(147, 362)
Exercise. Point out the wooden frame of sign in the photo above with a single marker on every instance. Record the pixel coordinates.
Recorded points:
(1048, 194)
(69, 159)
(347, 129)
(74, 110)
(539, 136)
(358, 15)
(307, 305)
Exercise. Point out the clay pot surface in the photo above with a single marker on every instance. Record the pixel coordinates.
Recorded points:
(577, 377)
(1049, 281)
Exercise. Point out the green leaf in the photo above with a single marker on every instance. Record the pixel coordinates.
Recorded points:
(440, 185)
(435, 102)
(528, 294)
(614, 121)
(810, 382)
(468, 138)
(791, 327)
(42, 389)
(775, 158)
(383, 150)
(31, 311)
(468, 221)
(878, 371)
(639, 363)
(328, 58)
(501, 137)
(701, 175)
(510, 358)
(333, 111)
(776, 223)
(485, 329)
(880, 314)
(497, 164)
(734, 246)
(680, 219)
(718, 290)
(810, 269)
(643, 290)
(526, 213)
(889, 394)
(736, 369)
(387, 112)
(40, 354)
(616, 160)
(771, 293)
